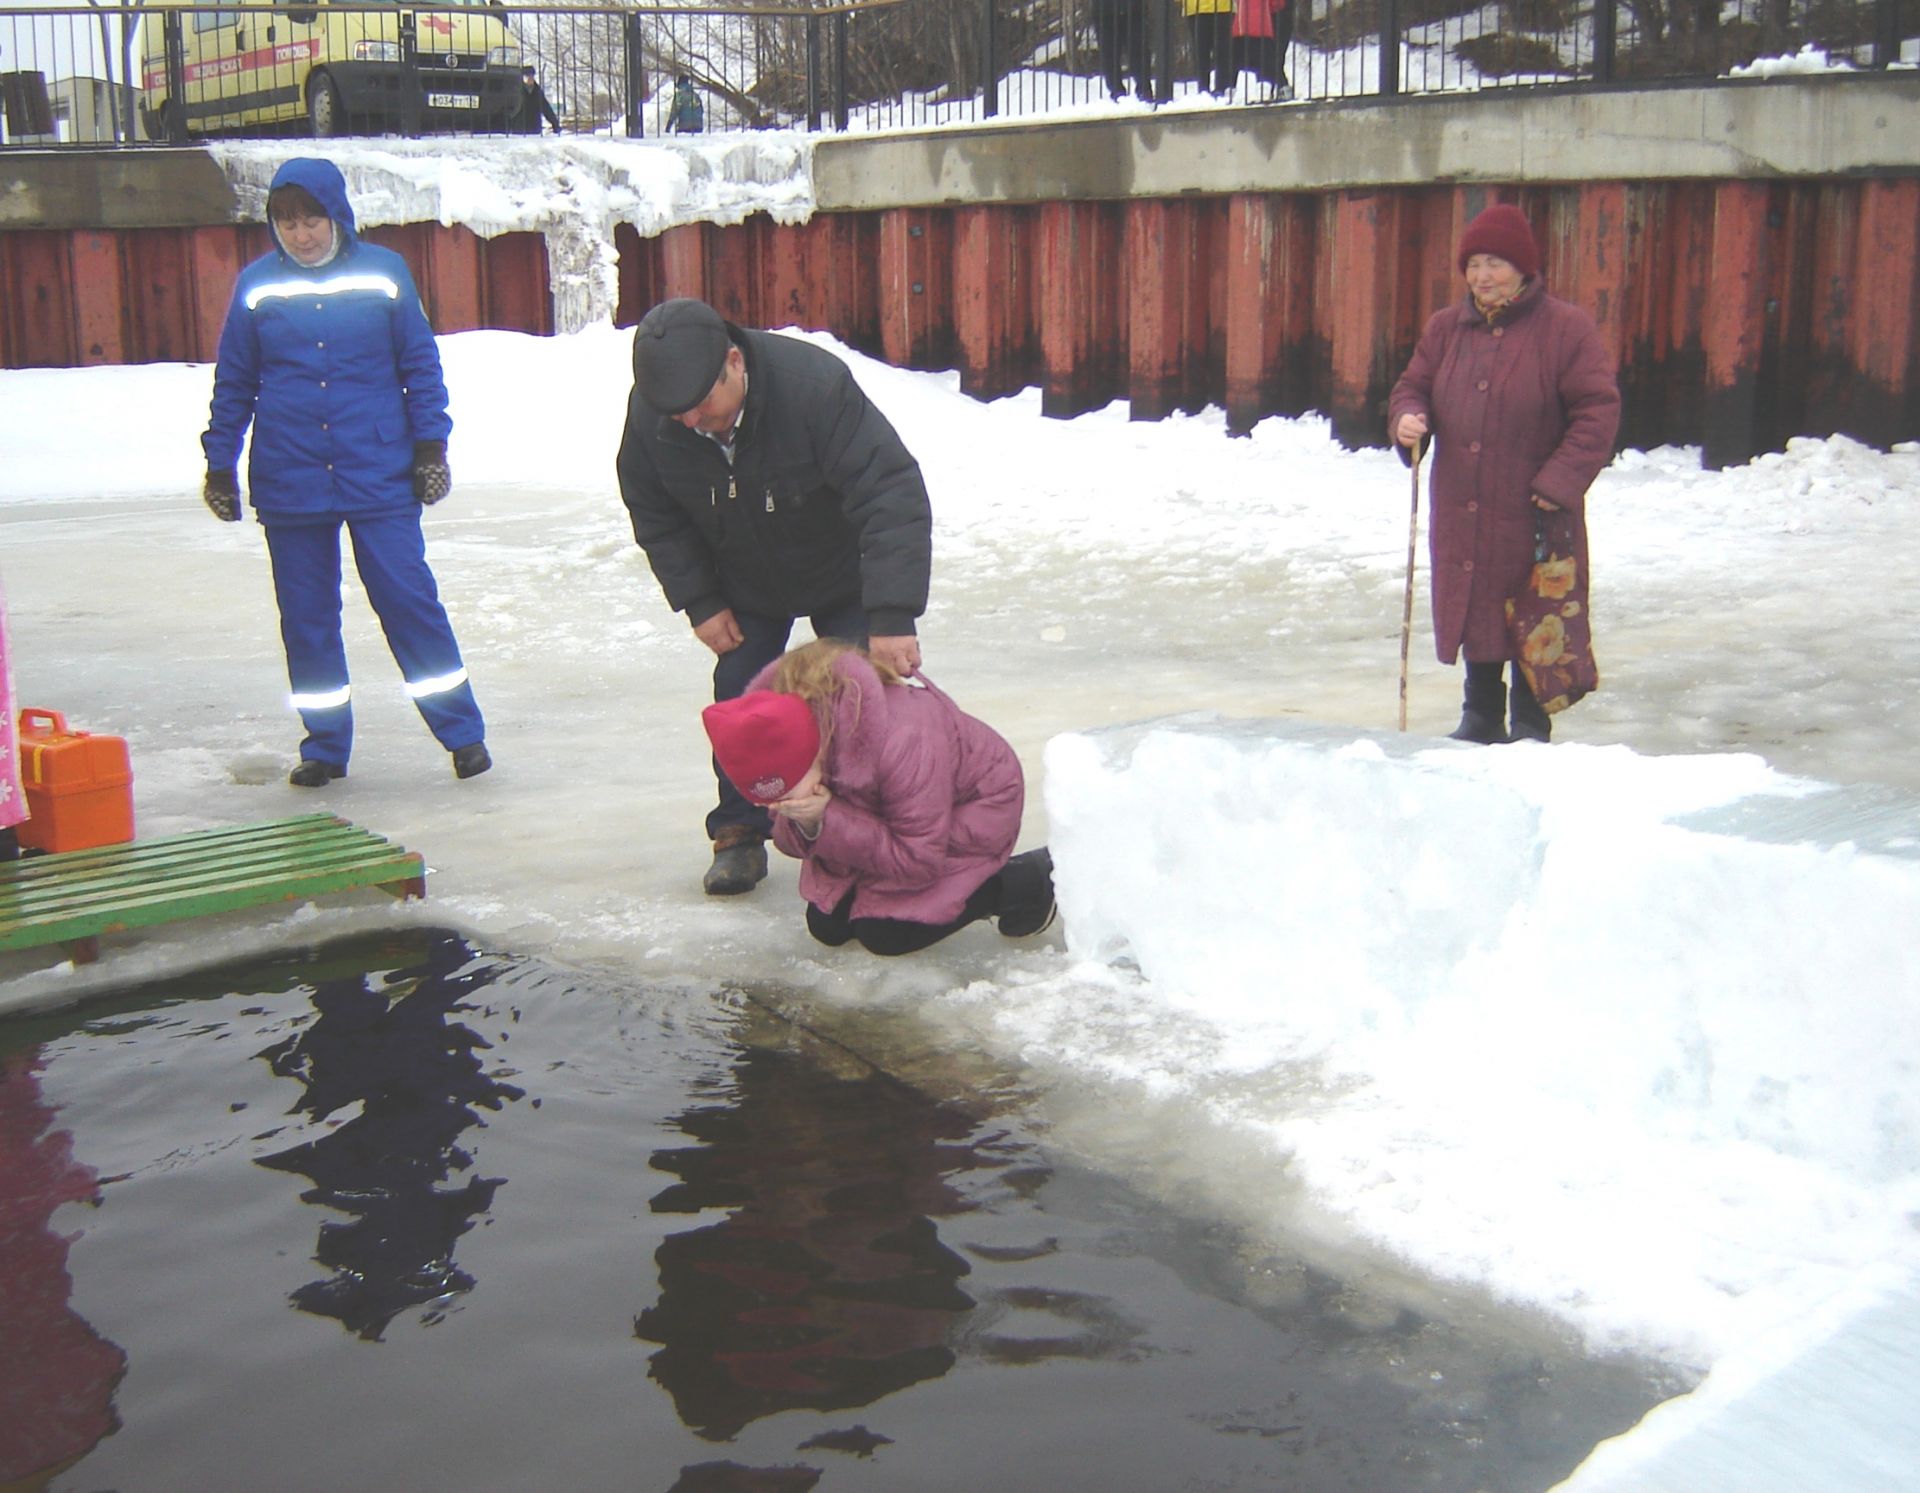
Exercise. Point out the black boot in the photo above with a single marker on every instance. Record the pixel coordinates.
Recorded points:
(1530, 722)
(472, 760)
(1026, 894)
(1483, 714)
(313, 773)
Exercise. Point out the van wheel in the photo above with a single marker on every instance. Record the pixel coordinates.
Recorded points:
(172, 122)
(323, 107)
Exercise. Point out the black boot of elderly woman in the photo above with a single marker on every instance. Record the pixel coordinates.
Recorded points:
(1530, 722)
(1026, 894)
(1483, 715)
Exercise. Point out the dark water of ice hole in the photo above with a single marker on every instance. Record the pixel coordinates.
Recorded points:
(393, 1214)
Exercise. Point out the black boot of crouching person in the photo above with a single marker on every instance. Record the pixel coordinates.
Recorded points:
(1483, 714)
(739, 862)
(1530, 722)
(9, 844)
(1027, 906)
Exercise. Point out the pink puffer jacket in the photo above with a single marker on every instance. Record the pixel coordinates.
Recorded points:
(13, 798)
(926, 802)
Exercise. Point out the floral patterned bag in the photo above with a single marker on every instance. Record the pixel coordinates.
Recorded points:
(1548, 623)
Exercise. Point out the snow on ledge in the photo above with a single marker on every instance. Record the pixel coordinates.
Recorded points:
(571, 189)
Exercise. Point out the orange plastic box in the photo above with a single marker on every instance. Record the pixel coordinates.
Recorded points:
(79, 786)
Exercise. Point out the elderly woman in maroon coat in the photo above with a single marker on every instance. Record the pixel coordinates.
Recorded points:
(901, 808)
(1519, 392)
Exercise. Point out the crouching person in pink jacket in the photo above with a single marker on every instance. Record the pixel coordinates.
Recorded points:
(901, 808)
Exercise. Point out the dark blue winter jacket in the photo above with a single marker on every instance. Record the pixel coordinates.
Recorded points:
(335, 367)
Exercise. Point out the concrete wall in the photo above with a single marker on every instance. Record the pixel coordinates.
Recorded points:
(70, 189)
(1821, 125)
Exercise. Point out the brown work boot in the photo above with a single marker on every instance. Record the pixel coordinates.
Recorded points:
(739, 862)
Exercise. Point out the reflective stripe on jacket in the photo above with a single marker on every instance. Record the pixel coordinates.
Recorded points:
(335, 368)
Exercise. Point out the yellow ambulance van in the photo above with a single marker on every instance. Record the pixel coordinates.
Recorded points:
(327, 69)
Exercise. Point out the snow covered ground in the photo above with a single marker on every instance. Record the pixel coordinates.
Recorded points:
(1494, 1013)
(1526, 1020)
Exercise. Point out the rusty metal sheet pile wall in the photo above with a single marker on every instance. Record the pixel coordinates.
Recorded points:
(74, 298)
(1741, 312)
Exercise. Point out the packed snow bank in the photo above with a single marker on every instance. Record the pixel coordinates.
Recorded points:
(1568, 1023)
(1825, 1403)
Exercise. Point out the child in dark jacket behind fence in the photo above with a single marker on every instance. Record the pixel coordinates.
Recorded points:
(686, 114)
(901, 808)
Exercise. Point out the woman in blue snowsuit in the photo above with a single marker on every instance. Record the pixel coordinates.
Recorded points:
(327, 353)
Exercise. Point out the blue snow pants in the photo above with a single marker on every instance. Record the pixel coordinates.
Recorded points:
(390, 552)
(764, 639)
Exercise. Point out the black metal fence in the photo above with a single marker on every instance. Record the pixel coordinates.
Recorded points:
(130, 74)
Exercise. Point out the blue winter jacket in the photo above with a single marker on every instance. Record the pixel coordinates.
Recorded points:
(335, 367)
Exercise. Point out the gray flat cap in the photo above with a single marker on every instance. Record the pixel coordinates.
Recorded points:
(679, 349)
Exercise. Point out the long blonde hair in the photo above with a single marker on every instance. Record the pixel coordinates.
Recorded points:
(808, 671)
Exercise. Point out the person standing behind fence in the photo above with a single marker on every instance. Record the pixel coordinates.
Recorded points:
(327, 354)
(533, 104)
(1120, 26)
(686, 115)
(1210, 28)
(1262, 32)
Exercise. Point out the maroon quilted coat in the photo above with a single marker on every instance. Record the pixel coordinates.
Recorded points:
(926, 801)
(1525, 404)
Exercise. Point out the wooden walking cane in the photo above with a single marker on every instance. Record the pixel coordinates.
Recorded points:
(1406, 615)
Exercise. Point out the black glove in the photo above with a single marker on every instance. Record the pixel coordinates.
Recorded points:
(431, 479)
(222, 492)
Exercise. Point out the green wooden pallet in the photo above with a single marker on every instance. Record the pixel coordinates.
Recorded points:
(74, 897)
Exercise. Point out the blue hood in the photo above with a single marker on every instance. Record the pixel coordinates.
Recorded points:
(323, 182)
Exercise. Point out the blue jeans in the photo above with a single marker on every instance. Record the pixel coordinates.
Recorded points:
(763, 639)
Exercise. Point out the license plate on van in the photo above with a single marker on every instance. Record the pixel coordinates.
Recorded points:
(453, 101)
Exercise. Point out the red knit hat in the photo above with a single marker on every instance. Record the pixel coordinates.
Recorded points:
(765, 742)
(1503, 230)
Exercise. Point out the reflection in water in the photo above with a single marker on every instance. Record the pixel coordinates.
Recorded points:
(57, 1375)
(826, 1285)
(417, 1078)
